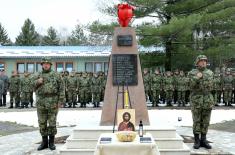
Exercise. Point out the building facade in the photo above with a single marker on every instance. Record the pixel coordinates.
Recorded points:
(77, 58)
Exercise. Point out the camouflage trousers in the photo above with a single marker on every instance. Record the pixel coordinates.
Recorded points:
(169, 95)
(96, 96)
(72, 96)
(156, 94)
(181, 95)
(227, 96)
(25, 97)
(47, 115)
(217, 95)
(15, 96)
(84, 95)
(201, 120)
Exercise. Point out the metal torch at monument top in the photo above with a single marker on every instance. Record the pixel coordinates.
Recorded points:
(125, 14)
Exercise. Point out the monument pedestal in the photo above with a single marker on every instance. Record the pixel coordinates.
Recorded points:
(123, 69)
(83, 140)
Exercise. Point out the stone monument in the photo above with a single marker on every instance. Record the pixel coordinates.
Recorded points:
(124, 70)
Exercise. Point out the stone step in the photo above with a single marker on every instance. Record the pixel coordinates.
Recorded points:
(184, 151)
(169, 143)
(81, 143)
(65, 151)
(89, 133)
(162, 143)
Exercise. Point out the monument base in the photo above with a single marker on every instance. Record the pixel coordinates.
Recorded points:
(83, 140)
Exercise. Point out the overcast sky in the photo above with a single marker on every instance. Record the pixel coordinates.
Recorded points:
(61, 14)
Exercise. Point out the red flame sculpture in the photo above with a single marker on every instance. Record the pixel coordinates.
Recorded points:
(125, 14)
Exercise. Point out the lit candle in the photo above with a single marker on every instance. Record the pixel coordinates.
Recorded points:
(126, 100)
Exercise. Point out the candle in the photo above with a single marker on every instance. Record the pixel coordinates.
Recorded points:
(126, 100)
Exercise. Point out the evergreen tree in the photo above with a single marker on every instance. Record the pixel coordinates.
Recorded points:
(77, 37)
(51, 39)
(187, 28)
(4, 40)
(28, 36)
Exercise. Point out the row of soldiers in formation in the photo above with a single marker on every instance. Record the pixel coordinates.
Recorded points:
(79, 87)
(83, 87)
(173, 87)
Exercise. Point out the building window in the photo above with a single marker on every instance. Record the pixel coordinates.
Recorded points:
(89, 66)
(69, 66)
(20, 68)
(38, 67)
(106, 67)
(2, 66)
(98, 67)
(59, 67)
(30, 67)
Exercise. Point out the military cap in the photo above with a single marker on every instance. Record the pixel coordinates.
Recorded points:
(199, 58)
(46, 60)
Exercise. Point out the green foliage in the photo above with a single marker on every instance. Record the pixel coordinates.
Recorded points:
(51, 39)
(4, 40)
(28, 36)
(77, 37)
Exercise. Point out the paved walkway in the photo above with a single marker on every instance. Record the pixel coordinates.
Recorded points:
(25, 143)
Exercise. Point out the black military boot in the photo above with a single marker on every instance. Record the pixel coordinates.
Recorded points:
(44, 143)
(26, 104)
(11, 105)
(0, 102)
(74, 105)
(204, 142)
(97, 104)
(51, 142)
(196, 141)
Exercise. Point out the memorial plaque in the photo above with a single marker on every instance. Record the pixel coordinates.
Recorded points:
(124, 40)
(124, 69)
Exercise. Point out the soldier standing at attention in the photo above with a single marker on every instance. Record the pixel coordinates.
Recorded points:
(14, 89)
(227, 87)
(72, 84)
(201, 84)
(168, 87)
(182, 82)
(5, 79)
(25, 90)
(84, 90)
(50, 96)
(156, 87)
(147, 81)
(96, 89)
(1, 91)
(217, 87)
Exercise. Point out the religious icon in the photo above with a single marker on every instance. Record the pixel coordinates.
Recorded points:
(126, 120)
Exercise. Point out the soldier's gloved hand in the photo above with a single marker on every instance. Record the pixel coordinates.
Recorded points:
(40, 81)
(199, 75)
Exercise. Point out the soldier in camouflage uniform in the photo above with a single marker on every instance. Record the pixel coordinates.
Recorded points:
(25, 90)
(233, 86)
(72, 84)
(5, 79)
(176, 84)
(181, 88)
(84, 91)
(31, 90)
(168, 86)
(65, 80)
(1, 91)
(147, 83)
(96, 89)
(156, 88)
(227, 87)
(50, 96)
(78, 75)
(217, 88)
(14, 89)
(201, 84)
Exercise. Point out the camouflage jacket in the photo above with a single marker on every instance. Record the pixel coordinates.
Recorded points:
(72, 83)
(227, 82)
(182, 83)
(204, 84)
(177, 81)
(147, 81)
(156, 81)
(14, 84)
(217, 83)
(84, 83)
(1, 87)
(52, 86)
(5, 79)
(201, 96)
(168, 83)
(26, 84)
(97, 85)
